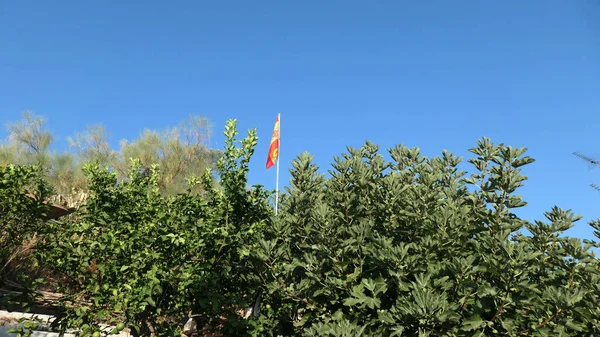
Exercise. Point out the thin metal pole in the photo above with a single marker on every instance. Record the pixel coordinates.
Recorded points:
(277, 174)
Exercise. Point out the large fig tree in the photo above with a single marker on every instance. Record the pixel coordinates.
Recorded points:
(416, 247)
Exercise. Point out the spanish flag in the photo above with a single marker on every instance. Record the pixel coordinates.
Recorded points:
(274, 147)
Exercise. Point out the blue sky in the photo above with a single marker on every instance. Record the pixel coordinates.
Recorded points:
(433, 74)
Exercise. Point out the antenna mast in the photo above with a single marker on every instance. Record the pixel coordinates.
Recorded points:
(591, 161)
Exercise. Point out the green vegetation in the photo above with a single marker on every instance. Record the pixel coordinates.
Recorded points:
(405, 249)
(180, 152)
(411, 247)
(139, 258)
(22, 213)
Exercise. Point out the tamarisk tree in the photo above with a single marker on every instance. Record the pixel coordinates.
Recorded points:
(180, 152)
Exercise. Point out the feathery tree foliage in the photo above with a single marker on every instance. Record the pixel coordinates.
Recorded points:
(180, 151)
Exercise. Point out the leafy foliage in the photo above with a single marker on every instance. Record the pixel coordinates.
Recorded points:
(410, 248)
(22, 211)
(137, 258)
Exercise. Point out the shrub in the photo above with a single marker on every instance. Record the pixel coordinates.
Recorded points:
(408, 247)
(22, 216)
(415, 247)
(137, 258)
(22, 213)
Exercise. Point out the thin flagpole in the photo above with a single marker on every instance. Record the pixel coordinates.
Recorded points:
(277, 174)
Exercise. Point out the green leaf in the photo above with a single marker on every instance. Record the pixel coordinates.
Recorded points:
(150, 301)
(472, 323)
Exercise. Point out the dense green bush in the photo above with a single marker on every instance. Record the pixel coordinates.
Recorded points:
(23, 193)
(133, 257)
(414, 247)
(23, 214)
(407, 247)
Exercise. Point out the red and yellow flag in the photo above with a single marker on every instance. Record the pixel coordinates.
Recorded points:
(274, 147)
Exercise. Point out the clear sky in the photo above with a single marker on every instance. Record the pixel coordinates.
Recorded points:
(433, 74)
